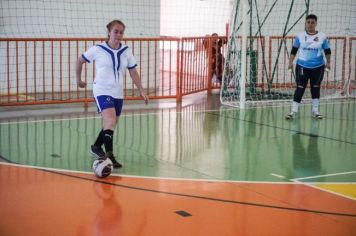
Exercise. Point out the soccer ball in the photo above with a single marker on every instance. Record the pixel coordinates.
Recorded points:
(102, 167)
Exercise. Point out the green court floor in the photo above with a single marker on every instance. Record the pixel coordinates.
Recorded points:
(198, 140)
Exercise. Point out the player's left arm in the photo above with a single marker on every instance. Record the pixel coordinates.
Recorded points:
(137, 81)
(327, 52)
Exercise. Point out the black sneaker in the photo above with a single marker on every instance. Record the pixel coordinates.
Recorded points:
(115, 163)
(97, 152)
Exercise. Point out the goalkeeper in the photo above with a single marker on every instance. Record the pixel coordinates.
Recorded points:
(310, 65)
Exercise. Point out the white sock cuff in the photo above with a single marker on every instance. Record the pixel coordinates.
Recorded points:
(315, 104)
(295, 106)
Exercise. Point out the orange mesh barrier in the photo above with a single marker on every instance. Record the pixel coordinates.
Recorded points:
(42, 70)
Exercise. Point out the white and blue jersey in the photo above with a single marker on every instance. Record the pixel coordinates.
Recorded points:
(311, 49)
(110, 68)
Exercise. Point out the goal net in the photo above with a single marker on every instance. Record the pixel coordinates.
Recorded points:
(261, 37)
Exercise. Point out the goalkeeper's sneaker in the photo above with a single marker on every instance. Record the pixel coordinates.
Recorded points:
(291, 115)
(115, 163)
(97, 152)
(316, 115)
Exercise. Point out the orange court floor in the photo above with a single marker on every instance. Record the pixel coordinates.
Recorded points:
(193, 168)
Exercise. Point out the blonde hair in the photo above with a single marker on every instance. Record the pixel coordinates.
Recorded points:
(114, 22)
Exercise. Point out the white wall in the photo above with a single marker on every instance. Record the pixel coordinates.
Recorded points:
(150, 18)
(194, 17)
(77, 18)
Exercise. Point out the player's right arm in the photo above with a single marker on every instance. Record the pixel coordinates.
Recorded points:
(78, 70)
(88, 57)
(291, 59)
(293, 52)
(327, 52)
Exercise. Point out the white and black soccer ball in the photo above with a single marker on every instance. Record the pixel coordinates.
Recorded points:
(102, 167)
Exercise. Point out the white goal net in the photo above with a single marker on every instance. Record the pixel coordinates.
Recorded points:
(259, 44)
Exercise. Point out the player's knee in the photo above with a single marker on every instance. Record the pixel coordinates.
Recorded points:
(299, 92)
(112, 122)
(109, 121)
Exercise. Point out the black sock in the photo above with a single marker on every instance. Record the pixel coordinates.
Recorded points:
(107, 138)
(100, 139)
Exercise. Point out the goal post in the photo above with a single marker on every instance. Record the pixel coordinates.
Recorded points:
(261, 37)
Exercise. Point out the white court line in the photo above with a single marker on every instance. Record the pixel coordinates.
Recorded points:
(350, 183)
(278, 176)
(327, 175)
(295, 182)
(44, 168)
(206, 180)
(313, 184)
(145, 177)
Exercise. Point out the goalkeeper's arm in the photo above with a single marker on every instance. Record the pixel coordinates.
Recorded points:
(293, 53)
(327, 53)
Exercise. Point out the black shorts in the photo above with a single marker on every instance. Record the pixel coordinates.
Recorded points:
(304, 74)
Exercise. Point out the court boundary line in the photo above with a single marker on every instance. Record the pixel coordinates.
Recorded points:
(141, 176)
(288, 182)
(202, 197)
(351, 183)
(326, 175)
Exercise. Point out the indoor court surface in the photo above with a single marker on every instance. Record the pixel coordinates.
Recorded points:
(190, 168)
